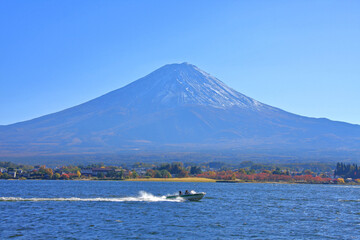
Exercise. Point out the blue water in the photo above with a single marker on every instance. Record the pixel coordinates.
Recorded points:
(137, 210)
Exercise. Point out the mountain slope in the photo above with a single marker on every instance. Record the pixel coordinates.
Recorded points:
(177, 107)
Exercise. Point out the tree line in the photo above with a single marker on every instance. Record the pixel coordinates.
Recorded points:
(347, 170)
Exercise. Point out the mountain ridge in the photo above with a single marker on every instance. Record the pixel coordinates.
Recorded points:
(177, 105)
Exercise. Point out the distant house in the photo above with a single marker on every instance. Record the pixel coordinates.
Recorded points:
(140, 171)
(103, 170)
(3, 170)
(86, 172)
(12, 173)
(95, 171)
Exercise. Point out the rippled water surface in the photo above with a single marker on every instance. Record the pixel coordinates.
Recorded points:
(139, 210)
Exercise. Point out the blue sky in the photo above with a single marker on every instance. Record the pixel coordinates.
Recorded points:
(301, 56)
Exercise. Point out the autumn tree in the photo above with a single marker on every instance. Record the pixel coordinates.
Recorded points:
(150, 173)
(49, 172)
(233, 176)
(64, 176)
(183, 173)
(340, 180)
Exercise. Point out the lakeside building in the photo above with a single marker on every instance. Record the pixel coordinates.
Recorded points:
(86, 172)
(141, 171)
(95, 171)
(12, 173)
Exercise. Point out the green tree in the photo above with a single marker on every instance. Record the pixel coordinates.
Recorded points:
(277, 171)
(165, 166)
(134, 174)
(177, 167)
(194, 170)
(150, 173)
(158, 174)
(165, 174)
(120, 174)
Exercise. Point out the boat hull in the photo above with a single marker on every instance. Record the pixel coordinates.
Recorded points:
(189, 197)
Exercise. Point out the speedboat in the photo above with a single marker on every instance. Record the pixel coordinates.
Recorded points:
(192, 196)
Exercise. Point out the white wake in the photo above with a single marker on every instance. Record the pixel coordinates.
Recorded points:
(142, 197)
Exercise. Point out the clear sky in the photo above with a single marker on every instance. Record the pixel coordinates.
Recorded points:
(302, 56)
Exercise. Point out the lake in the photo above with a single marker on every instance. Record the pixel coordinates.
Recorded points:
(137, 210)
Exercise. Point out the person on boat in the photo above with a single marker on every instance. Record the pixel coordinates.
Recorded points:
(187, 192)
(180, 193)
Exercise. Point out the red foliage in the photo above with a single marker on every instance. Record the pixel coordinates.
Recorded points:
(311, 179)
(263, 177)
(72, 175)
(65, 176)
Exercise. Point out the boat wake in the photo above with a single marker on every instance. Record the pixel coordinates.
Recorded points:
(142, 197)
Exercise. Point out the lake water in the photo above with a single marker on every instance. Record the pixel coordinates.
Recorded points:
(137, 210)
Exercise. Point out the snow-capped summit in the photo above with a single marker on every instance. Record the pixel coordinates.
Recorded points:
(185, 84)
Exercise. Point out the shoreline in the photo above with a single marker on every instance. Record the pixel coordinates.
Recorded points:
(189, 179)
(185, 180)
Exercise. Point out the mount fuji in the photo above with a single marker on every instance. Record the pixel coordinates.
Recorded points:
(177, 108)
